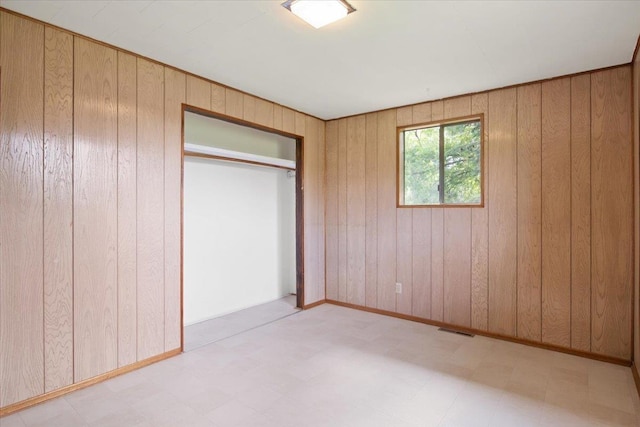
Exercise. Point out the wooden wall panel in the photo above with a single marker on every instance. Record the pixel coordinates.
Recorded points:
(198, 92)
(581, 212)
(421, 260)
(311, 259)
(314, 259)
(234, 103)
(386, 220)
(331, 211)
(421, 251)
(150, 209)
(218, 98)
(277, 117)
(127, 221)
(437, 242)
(457, 243)
(249, 107)
(556, 212)
(457, 266)
(342, 210)
(355, 174)
(58, 209)
(288, 120)
(174, 96)
(264, 113)
(320, 203)
(437, 264)
(422, 113)
(636, 214)
(529, 212)
(502, 212)
(300, 123)
(404, 260)
(95, 214)
(480, 229)
(611, 212)
(371, 209)
(404, 243)
(21, 226)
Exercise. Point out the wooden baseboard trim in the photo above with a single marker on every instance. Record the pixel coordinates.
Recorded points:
(636, 376)
(10, 409)
(314, 304)
(586, 354)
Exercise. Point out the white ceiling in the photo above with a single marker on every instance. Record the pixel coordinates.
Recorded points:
(386, 54)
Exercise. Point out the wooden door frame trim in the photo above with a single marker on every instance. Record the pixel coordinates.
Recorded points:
(299, 199)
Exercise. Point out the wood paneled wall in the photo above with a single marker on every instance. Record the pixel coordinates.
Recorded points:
(636, 180)
(547, 259)
(90, 193)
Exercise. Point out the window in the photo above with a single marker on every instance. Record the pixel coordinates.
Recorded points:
(441, 163)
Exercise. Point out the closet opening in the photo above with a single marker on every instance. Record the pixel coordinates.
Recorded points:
(242, 226)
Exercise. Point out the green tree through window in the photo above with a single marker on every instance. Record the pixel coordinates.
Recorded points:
(441, 164)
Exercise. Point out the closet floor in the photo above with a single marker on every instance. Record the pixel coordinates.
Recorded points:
(210, 331)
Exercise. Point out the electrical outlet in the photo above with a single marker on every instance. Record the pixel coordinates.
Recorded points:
(398, 288)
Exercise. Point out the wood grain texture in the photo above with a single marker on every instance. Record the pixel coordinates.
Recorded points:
(310, 208)
(249, 108)
(386, 210)
(457, 266)
(371, 209)
(422, 113)
(457, 243)
(218, 98)
(95, 214)
(611, 213)
(437, 264)
(502, 212)
(404, 259)
(437, 242)
(404, 116)
(264, 113)
(356, 245)
(342, 210)
(198, 92)
(421, 253)
(331, 211)
(636, 182)
(288, 120)
(150, 209)
(421, 260)
(320, 198)
(581, 212)
(127, 222)
(21, 226)
(174, 96)
(300, 123)
(437, 110)
(404, 240)
(234, 103)
(311, 237)
(277, 117)
(58, 209)
(480, 230)
(529, 212)
(556, 212)
(457, 107)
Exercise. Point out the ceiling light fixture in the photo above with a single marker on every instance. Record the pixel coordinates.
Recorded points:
(319, 13)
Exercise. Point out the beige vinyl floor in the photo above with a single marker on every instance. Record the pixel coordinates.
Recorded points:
(334, 366)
